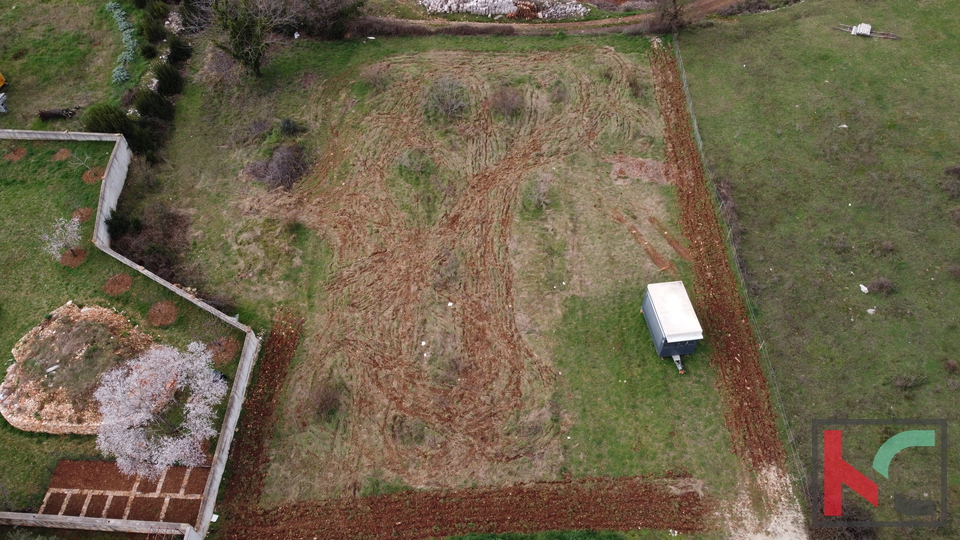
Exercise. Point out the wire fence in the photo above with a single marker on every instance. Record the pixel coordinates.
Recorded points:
(777, 394)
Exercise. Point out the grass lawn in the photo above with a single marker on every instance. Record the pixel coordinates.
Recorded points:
(835, 148)
(34, 192)
(58, 54)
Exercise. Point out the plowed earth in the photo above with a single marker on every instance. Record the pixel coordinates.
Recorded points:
(736, 358)
(597, 504)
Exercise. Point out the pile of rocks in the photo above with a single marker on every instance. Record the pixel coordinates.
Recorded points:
(522, 9)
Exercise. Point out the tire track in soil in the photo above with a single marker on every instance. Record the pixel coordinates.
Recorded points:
(748, 411)
(620, 504)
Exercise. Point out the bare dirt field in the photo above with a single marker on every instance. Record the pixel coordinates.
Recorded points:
(417, 369)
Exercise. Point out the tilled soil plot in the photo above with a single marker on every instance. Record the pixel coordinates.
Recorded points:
(597, 504)
(736, 357)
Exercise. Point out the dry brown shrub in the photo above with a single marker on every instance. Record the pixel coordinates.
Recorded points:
(283, 169)
(118, 284)
(952, 183)
(376, 76)
(507, 102)
(162, 313)
(951, 366)
(882, 286)
(954, 271)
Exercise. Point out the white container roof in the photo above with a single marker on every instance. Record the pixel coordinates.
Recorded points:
(675, 312)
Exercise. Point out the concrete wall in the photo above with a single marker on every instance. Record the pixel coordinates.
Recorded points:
(97, 524)
(110, 189)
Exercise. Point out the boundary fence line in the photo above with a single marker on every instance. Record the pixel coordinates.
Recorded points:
(112, 185)
(718, 203)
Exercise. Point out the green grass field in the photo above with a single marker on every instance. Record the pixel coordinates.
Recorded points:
(35, 192)
(835, 147)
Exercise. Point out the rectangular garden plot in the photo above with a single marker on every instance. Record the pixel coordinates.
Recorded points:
(98, 489)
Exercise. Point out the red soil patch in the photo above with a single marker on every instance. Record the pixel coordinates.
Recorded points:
(736, 357)
(145, 509)
(96, 506)
(98, 480)
(117, 508)
(83, 215)
(93, 175)
(118, 284)
(73, 258)
(16, 155)
(224, 350)
(162, 313)
(248, 454)
(619, 504)
(182, 511)
(61, 154)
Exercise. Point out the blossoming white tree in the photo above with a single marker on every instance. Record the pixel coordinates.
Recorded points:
(64, 236)
(158, 408)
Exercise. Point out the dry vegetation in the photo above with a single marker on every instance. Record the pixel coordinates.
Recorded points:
(426, 359)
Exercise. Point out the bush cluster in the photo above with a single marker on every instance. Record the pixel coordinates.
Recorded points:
(151, 104)
(120, 73)
(283, 169)
(169, 80)
(447, 98)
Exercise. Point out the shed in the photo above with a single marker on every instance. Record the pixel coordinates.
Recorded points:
(672, 322)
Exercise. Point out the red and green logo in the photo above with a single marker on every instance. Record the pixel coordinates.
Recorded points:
(906, 480)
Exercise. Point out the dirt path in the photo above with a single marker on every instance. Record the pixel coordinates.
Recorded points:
(599, 504)
(743, 389)
(695, 10)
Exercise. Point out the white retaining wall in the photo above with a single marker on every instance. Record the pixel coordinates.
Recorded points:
(110, 189)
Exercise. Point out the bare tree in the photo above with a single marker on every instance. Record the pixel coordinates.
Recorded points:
(158, 408)
(669, 17)
(246, 28)
(64, 236)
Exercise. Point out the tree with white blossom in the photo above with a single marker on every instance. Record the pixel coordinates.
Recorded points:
(158, 408)
(64, 236)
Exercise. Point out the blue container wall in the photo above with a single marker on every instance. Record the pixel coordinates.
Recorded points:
(664, 349)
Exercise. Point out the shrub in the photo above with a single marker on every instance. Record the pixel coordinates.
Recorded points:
(283, 169)
(951, 366)
(158, 10)
(148, 51)
(507, 102)
(952, 183)
(120, 224)
(140, 4)
(152, 104)
(169, 80)
(158, 240)
(180, 50)
(106, 118)
(882, 286)
(447, 98)
(289, 127)
(954, 271)
(375, 76)
(558, 92)
(905, 382)
(152, 30)
(119, 75)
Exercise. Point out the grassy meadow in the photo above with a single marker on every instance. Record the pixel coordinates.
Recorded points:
(835, 147)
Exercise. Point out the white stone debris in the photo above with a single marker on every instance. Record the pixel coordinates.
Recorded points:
(549, 9)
